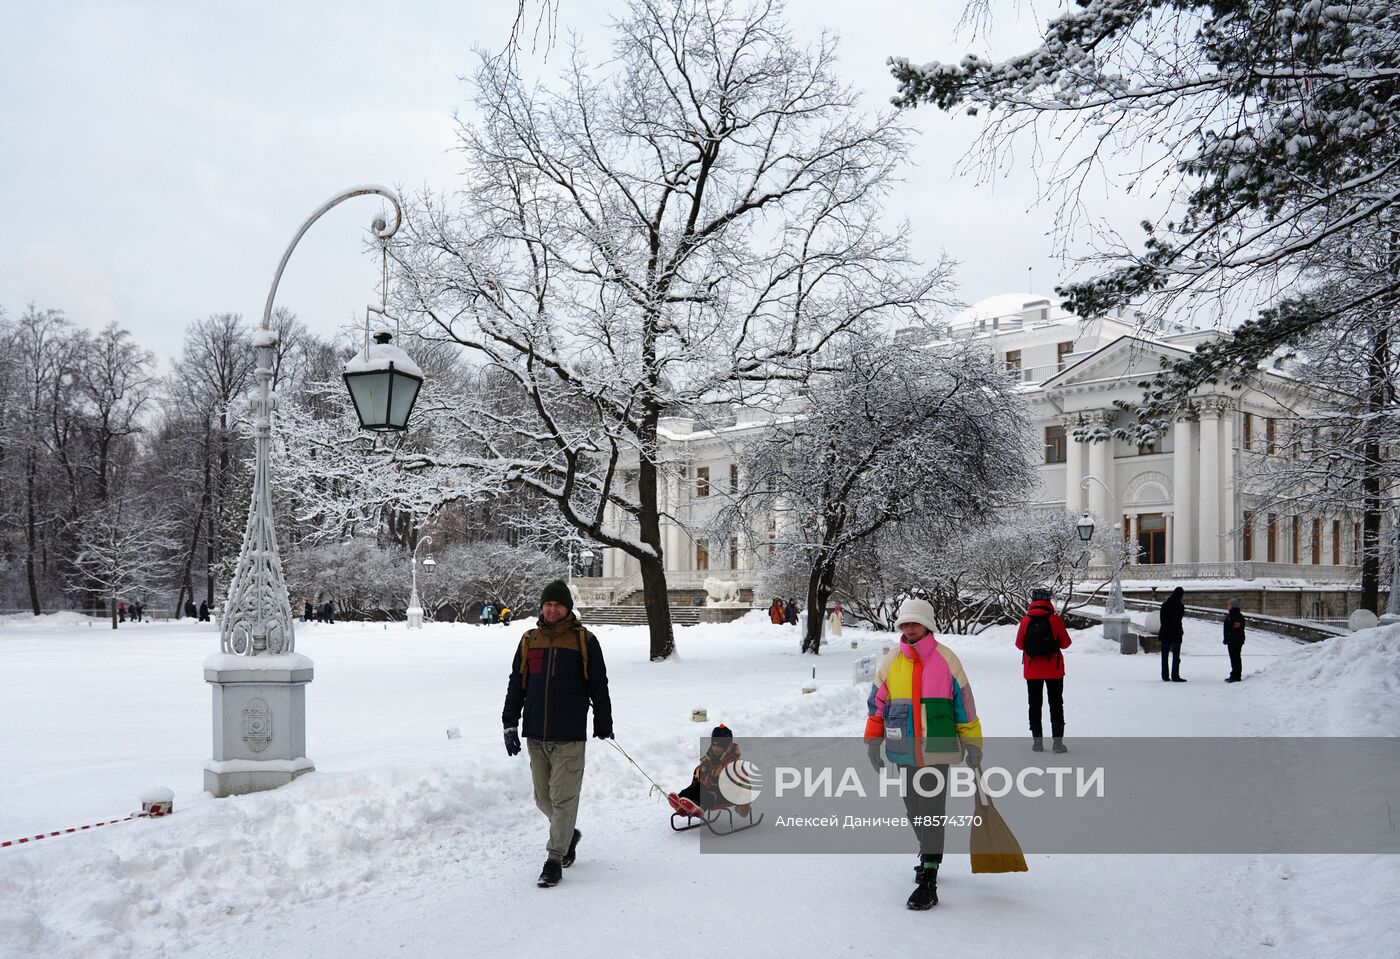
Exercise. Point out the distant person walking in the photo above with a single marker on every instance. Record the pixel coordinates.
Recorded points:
(1041, 638)
(327, 612)
(777, 612)
(834, 623)
(190, 611)
(1170, 632)
(790, 613)
(121, 612)
(204, 611)
(1234, 639)
(487, 614)
(137, 611)
(306, 614)
(557, 674)
(506, 614)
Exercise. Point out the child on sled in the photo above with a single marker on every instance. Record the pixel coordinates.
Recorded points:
(703, 791)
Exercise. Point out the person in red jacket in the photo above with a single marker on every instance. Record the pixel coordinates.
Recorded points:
(1041, 638)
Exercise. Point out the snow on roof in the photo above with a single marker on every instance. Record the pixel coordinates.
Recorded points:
(1003, 304)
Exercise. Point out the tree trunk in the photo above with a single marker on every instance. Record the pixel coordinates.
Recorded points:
(819, 590)
(1370, 480)
(114, 610)
(653, 568)
(31, 531)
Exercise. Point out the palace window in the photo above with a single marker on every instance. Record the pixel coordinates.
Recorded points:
(1247, 437)
(702, 481)
(1271, 539)
(1317, 542)
(1336, 542)
(1013, 362)
(1054, 444)
(1297, 547)
(702, 554)
(1247, 537)
(733, 477)
(1062, 352)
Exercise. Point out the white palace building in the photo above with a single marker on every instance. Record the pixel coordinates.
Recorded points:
(1178, 499)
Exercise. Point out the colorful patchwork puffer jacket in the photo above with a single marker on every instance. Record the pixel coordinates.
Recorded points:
(921, 705)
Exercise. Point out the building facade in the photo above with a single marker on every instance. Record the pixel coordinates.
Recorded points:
(1179, 501)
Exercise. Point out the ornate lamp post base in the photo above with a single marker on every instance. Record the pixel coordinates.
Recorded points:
(1118, 627)
(259, 722)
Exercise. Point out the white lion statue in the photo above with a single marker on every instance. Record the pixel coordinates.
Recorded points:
(721, 591)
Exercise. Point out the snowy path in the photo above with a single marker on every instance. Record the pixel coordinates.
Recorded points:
(435, 855)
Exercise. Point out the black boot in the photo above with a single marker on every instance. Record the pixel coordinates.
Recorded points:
(551, 874)
(1060, 746)
(573, 849)
(1037, 744)
(925, 894)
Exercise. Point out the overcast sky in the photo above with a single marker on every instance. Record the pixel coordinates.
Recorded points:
(157, 157)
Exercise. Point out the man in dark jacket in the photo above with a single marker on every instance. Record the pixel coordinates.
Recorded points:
(791, 616)
(1234, 640)
(1041, 638)
(557, 673)
(1170, 633)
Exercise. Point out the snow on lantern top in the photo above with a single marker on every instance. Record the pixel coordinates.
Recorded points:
(383, 382)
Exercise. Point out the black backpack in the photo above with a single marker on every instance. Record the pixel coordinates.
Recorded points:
(1040, 639)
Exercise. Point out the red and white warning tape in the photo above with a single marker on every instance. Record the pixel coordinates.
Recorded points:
(64, 832)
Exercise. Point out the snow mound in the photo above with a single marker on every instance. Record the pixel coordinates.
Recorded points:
(65, 618)
(1356, 677)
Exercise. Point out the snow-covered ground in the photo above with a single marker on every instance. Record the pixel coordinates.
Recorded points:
(405, 842)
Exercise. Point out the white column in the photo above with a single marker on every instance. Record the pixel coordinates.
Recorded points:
(1226, 472)
(1171, 538)
(1183, 490)
(1099, 462)
(1208, 525)
(671, 535)
(1074, 466)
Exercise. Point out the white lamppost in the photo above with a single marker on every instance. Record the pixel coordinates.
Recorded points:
(259, 681)
(1116, 623)
(415, 608)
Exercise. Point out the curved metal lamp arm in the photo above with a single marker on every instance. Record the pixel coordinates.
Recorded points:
(383, 231)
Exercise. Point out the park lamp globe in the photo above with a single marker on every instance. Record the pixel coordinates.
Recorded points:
(1085, 528)
(383, 382)
(429, 563)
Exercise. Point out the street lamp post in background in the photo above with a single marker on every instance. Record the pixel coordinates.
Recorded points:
(258, 679)
(1117, 625)
(415, 608)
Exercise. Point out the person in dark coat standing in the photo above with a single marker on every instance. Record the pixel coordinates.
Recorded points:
(557, 674)
(1170, 633)
(306, 614)
(190, 611)
(1041, 638)
(328, 612)
(790, 614)
(204, 611)
(1234, 639)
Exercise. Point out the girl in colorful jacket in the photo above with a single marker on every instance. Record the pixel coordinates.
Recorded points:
(921, 708)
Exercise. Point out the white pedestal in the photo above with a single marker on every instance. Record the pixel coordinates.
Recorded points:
(415, 617)
(1119, 629)
(259, 722)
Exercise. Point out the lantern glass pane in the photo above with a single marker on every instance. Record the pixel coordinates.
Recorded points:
(370, 391)
(401, 401)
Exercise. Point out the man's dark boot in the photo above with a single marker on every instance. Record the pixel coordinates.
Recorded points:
(1037, 744)
(573, 850)
(1178, 679)
(551, 874)
(925, 894)
(1059, 745)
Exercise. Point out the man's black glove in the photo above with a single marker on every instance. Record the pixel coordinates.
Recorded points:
(972, 755)
(873, 751)
(512, 742)
(602, 728)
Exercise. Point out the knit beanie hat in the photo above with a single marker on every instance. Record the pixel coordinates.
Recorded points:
(558, 592)
(915, 611)
(1040, 593)
(721, 732)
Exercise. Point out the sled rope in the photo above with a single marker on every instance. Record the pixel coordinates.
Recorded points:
(614, 745)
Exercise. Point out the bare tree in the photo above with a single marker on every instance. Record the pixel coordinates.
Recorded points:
(897, 434)
(691, 226)
(122, 546)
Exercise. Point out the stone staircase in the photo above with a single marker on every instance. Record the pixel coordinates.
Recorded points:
(635, 615)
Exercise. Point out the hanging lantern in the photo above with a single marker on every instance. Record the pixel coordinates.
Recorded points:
(383, 382)
(1085, 526)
